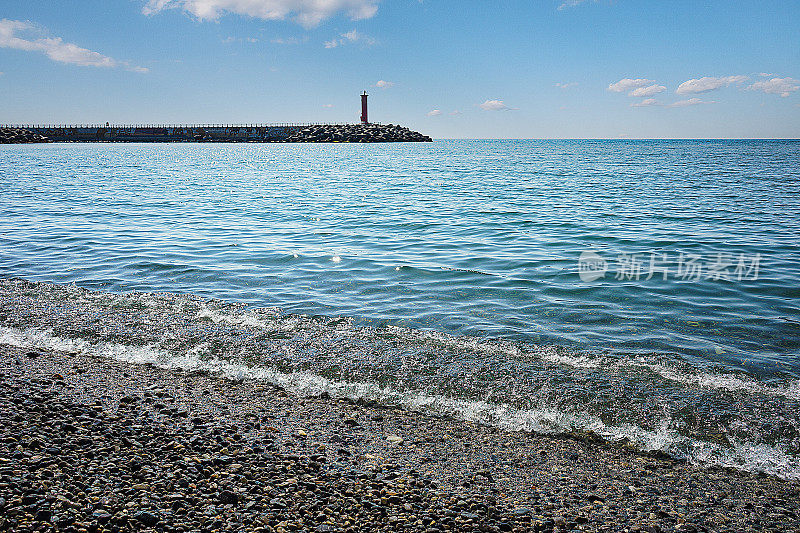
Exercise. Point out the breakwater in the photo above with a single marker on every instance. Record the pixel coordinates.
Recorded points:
(357, 133)
(361, 133)
(20, 136)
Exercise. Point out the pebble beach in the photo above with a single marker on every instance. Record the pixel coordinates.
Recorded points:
(93, 444)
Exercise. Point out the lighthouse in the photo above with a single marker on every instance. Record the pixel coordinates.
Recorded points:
(364, 119)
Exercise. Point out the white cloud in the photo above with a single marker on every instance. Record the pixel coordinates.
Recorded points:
(434, 113)
(637, 87)
(349, 38)
(650, 90)
(455, 112)
(290, 40)
(308, 13)
(782, 86)
(566, 85)
(687, 103)
(54, 47)
(646, 103)
(494, 105)
(628, 84)
(570, 3)
(229, 40)
(652, 102)
(327, 105)
(705, 84)
(383, 84)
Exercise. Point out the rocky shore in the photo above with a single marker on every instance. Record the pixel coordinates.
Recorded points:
(92, 444)
(20, 136)
(357, 133)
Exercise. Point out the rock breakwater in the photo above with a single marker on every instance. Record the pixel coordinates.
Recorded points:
(20, 136)
(358, 133)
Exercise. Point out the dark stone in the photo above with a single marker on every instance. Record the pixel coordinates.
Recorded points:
(227, 497)
(147, 518)
(30, 499)
(277, 503)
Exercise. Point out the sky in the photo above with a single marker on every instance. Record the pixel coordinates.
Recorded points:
(449, 69)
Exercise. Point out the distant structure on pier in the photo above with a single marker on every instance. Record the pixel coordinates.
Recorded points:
(360, 133)
(364, 119)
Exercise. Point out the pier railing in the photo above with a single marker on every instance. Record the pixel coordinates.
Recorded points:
(129, 126)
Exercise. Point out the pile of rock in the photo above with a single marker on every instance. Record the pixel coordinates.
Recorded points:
(357, 133)
(19, 136)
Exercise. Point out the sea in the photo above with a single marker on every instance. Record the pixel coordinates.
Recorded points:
(646, 291)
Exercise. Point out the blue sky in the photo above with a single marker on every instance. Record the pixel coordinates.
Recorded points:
(474, 69)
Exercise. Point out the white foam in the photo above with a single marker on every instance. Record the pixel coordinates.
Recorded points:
(241, 319)
(457, 343)
(722, 381)
(575, 361)
(543, 419)
(707, 380)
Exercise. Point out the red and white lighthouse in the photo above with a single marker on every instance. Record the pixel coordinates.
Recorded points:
(364, 119)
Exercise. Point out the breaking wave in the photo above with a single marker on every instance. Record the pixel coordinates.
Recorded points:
(544, 418)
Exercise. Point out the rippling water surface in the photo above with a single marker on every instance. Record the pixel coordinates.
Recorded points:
(438, 276)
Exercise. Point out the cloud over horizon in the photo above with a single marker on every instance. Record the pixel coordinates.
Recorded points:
(782, 86)
(494, 105)
(646, 103)
(565, 4)
(689, 102)
(629, 85)
(706, 84)
(350, 37)
(307, 13)
(54, 47)
(652, 102)
(649, 90)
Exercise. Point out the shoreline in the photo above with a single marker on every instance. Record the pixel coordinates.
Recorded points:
(97, 445)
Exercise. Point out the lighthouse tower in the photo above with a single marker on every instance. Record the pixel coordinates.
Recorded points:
(364, 119)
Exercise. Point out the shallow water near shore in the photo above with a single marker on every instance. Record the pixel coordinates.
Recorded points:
(439, 277)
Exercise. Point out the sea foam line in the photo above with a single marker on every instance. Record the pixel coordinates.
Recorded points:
(707, 380)
(746, 456)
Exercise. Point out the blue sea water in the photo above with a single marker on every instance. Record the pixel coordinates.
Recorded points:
(455, 274)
